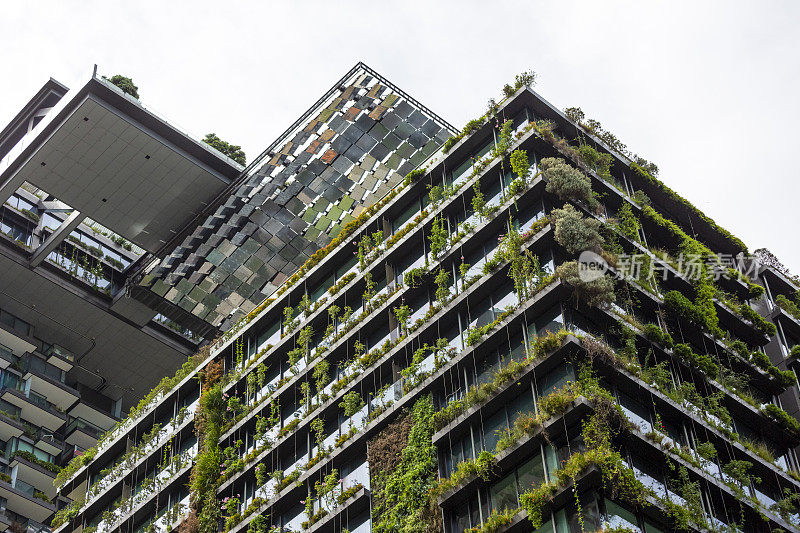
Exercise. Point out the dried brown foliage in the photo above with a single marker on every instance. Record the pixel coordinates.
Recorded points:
(211, 374)
(190, 524)
(385, 449)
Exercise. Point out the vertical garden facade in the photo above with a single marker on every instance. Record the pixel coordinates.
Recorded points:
(451, 361)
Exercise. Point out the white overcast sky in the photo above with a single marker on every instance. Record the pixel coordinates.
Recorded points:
(707, 90)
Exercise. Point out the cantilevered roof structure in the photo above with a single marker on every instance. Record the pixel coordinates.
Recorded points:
(101, 156)
(102, 152)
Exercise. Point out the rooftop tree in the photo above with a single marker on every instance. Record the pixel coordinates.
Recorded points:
(124, 83)
(231, 150)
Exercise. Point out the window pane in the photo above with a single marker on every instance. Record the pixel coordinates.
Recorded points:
(555, 379)
(504, 493)
(531, 473)
(619, 517)
(491, 426)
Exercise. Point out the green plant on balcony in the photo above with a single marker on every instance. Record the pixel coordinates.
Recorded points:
(598, 433)
(761, 324)
(478, 201)
(599, 162)
(628, 223)
(504, 141)
(520, 164)
(567, 182)
(402, 314)
(348, 493)
(30, 214)
(231, 505)
(705, 362)
(438, 237)
(648, 176)
(595, 289)
(739, 472)
(654, 333)
(575, 232)
(683, 308)
(784, 419)
(442, 281)
(289, 323)
(787, 305)
(471, 127)
(31, 458)
(785, 378)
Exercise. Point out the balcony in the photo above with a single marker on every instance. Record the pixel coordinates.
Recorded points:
(10, 426)
(81, 433)
(21, 500)
(14, 335)
(45, 379)
(35, 408)
(6, 357)
(33, 474)
(60, 357)
(95, 408)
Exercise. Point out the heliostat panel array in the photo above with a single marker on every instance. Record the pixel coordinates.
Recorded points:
(355, 145)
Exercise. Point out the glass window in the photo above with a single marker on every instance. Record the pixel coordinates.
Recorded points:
(650, 528)
(555, 379)
(531, 473)
(460, 518)
(551, 321)
(504, 493)
(462, 169)
(521, 404)
(619, 517)
(481, 314)
(487, 367)
(491, 428)
(551, 460)
(321, 289)
(405, 216)
(484, 150)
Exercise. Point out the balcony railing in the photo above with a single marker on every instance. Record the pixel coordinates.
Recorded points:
(59, 351)
(83, 425)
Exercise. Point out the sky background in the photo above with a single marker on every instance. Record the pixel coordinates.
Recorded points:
(707, 90)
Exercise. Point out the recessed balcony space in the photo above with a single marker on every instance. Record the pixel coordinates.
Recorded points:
(35, 407)
(20, 498)
(10, 425)
(47, 442)
(95, 413)
(34, 474)
(60, 357)
(15, 337)
(46, 380)
(82, 433)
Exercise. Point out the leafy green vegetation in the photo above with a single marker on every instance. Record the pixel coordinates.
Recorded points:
(232, 151)
(125, 84)
(400, 502)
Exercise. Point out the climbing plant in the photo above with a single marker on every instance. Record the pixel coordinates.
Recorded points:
(401, 502)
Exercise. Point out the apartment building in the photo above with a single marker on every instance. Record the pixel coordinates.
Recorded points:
(528, 331)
